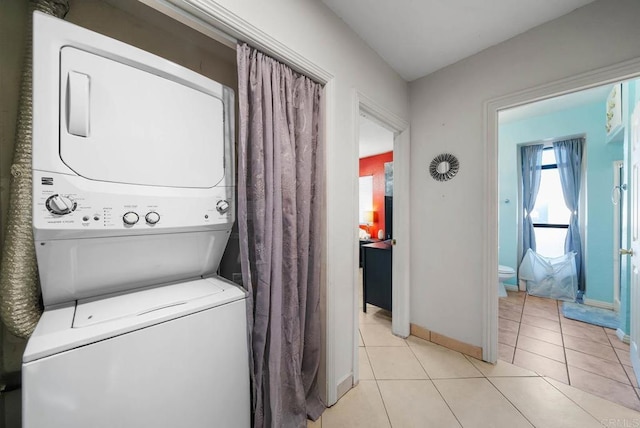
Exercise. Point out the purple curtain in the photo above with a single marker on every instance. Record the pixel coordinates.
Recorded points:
(280, 205)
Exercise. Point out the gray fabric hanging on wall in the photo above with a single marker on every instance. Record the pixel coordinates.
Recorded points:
(20, 306)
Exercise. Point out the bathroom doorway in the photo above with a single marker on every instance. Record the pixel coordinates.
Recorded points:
(541, 333)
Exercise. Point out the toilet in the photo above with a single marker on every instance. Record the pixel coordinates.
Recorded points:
(504, 273)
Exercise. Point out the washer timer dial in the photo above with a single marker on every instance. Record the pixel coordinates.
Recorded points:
(60, 205)
(130, 218)
(152, 217)
(222, 206)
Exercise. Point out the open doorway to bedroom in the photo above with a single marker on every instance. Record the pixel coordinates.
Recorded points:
(565, 312)
(375, 231)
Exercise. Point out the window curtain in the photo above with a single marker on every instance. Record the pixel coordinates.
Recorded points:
(569, 159)
(280, 207)
(531, 173)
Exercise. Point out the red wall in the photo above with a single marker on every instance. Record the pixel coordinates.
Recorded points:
(374, 165)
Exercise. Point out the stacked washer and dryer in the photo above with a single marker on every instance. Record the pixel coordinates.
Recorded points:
(133, 204)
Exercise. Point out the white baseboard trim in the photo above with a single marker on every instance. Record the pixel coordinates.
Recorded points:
(598, 303)
(345, 385)
(511, 287)
(624, 337)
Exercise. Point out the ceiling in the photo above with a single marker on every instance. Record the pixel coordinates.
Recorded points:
(374, 139)
(556, 104)
(418, 37)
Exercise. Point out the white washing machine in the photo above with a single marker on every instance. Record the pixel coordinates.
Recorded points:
(133, 172)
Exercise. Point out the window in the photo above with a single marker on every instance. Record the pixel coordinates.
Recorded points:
(550, 215)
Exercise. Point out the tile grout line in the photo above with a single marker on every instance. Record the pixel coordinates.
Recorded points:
(419, 362)
(623, 369)
(446, 402)
(386, 412)
(515, 346)
(572, 400)
(564, 348)
(510, 402)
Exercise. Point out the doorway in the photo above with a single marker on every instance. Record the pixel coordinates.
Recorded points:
(383, 146)
(538, 332)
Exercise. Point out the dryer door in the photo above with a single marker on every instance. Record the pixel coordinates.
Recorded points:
(122, 124)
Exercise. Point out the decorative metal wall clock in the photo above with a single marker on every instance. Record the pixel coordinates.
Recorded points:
(444, 167)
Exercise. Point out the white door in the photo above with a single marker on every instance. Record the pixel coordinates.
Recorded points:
(635, 240)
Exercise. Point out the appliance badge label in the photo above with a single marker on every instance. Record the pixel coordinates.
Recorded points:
(47, 181)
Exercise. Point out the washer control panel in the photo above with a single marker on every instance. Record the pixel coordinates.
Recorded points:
(60, 205)
(63, 202)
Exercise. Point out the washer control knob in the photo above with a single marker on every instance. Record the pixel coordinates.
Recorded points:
(130, 218)
(222, 206)
(60, 205)
(152, 217)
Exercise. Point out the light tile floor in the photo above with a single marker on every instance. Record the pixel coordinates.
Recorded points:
(534, 334)
(414, 383)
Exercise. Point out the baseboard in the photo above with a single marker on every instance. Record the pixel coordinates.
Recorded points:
(623, 337)
(447, 342)
(421, 332)
(345, 385)
(598, 304)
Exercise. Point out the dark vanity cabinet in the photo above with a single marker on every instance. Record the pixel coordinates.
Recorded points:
(376, 278)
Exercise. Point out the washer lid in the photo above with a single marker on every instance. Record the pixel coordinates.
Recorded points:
(169, 297)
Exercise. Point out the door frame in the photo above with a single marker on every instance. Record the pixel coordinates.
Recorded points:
(617, 241)
(607, 75)
(400, 302)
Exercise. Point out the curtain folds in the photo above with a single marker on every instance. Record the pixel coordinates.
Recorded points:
(280, 205)
(531, 173)
(569, 159)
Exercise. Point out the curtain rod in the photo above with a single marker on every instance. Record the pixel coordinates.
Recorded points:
(550, 141)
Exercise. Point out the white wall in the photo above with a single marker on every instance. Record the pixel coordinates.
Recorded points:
(448, 219)
(312, 30)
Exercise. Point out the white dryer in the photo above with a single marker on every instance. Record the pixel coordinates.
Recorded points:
(133, 204)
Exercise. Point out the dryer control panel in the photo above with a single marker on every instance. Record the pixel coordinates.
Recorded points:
(66, 205)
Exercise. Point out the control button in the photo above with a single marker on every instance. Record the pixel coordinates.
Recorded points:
(96, 217)
(222, 206)
(85, 218)
(130, 218)
(60, 205)
(206, 216)
(152, 217)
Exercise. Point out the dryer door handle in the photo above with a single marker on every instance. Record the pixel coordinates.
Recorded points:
(78, 103)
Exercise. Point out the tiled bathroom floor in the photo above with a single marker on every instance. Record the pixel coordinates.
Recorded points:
(414, 383)
(534, 334)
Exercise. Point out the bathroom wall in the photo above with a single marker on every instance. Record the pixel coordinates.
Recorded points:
(447, 109)
(374, 165)
(598, 243)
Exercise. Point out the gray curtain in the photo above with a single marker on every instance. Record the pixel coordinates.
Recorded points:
(531, 172)
(280, 207)
(569, 159)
